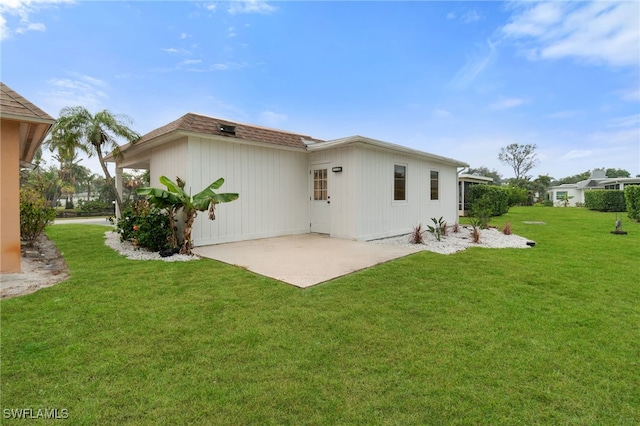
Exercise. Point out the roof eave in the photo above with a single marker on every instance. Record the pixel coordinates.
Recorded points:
(26, 118)
(385, 145)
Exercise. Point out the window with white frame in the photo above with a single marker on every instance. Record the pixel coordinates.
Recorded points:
(435, 185)
(399, 182)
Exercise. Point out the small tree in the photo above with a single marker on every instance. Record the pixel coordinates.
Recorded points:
(522, 158)
(175, 198)
(34, 215)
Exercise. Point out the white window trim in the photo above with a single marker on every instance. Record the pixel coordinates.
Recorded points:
(439, 186)
(406, 183)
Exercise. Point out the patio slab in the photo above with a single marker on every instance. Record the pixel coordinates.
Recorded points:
(303, 260)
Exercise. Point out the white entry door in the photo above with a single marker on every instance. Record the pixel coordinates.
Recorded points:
(320, 198)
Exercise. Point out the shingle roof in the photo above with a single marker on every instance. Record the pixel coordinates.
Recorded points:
(212, 126)
(11, 103)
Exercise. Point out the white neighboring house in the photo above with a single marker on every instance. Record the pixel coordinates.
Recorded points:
(356, 187)
(597, 180)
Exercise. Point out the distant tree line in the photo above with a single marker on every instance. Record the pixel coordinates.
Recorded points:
(524, 189)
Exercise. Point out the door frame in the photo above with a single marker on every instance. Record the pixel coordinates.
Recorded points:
(320, 208)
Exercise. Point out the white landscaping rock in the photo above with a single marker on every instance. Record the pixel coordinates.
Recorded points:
(125, 248)
(458, 241)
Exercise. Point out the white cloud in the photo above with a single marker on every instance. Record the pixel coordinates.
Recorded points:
(211, 7)
(80, 89)
(451, 15)
(225, 66)
(625, 122)
(441, 113)
(470, 16)
(191, 61)
(474, 66)
(31, 27)
(184, 36)
(22, 10)
(631, 95)
(564, 114)
(273, 119)
(594, 32)
(251, 6)
(577, 153)
(506, 103)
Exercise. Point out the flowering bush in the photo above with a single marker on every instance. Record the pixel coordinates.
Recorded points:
(145, 226)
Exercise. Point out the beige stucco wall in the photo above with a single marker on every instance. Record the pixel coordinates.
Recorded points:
(10, 196)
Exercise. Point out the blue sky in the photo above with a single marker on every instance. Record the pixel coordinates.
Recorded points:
(459, 79)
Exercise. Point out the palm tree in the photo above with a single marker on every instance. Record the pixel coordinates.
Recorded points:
(93, 134)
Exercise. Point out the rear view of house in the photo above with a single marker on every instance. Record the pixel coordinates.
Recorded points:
(356, 187)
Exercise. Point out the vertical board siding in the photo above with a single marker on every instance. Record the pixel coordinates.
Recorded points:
(271, 182)
(341, 189)
(168, 160)
(378, 215)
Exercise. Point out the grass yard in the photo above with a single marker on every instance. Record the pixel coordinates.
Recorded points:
(549, 335)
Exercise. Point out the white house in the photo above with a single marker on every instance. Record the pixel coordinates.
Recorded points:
(576, 191)
(356, 187)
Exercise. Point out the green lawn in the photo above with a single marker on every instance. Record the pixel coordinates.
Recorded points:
(549, 335)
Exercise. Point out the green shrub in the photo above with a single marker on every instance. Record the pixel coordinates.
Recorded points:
(517, 196)
(605, 200)
(494, 198)
(144, 226)
(632, 199)
(481, 211)
(35, 215)
(548, 203)
(95, 206)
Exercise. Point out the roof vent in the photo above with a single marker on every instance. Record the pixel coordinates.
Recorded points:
(228, 129)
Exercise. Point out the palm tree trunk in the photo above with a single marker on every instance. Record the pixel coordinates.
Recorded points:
(108, 178)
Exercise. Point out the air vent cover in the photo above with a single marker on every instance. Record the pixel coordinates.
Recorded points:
(228, 129)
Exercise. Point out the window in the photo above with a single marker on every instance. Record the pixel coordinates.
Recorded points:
(560, 195)
(614, 186)
(435, 184)
(320, 185)
(399, 183)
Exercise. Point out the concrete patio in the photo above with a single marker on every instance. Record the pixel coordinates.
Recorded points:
(303, 260)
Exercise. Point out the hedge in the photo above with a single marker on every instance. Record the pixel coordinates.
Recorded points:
(632, 197)
(498, 197)
(605, 200)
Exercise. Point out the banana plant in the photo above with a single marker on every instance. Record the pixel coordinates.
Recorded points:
(175, 198)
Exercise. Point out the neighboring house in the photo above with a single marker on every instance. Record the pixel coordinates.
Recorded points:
(23, 127)
(465, 181)
(576, 191)
(356, 188)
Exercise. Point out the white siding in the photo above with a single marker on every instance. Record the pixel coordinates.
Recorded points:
(378, 215)
(362, 205)
(272, 184)
(169, 160)
(341, 189)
